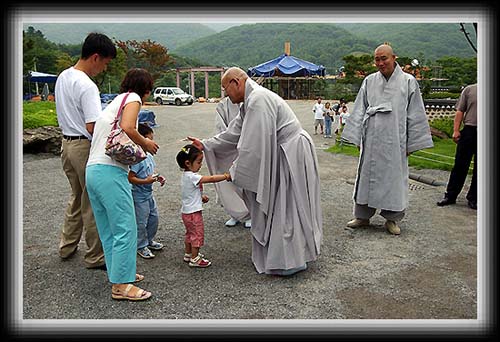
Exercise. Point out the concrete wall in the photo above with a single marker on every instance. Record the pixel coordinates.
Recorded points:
(440, 111)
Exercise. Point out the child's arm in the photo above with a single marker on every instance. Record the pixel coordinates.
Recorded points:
(132, 178)
(215, 178)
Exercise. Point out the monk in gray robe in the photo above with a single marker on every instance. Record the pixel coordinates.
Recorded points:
(277, 169)
(228, 194)
(388, 123)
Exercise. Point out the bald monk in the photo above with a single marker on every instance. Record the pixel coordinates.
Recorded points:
(388, 123)
(277, 169)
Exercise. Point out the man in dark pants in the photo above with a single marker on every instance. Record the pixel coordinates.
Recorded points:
(466, 140)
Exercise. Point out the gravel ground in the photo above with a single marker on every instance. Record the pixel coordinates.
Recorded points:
(428, 272)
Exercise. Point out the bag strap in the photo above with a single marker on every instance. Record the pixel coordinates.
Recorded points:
(120, 110)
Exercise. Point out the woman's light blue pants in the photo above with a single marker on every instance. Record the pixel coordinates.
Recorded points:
(110, 195)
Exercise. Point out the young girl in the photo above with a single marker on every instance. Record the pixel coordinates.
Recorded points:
(190, 159)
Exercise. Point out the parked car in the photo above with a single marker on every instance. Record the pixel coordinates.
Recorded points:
(171, 95)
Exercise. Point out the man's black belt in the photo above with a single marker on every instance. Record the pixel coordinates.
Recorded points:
(78, 137)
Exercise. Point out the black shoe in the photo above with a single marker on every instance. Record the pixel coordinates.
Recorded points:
(446, 201)
(472, 205)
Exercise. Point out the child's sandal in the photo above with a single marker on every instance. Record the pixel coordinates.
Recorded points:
(199, 262)
(187, 256)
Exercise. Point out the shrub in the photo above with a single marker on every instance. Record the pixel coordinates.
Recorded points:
(442, 95)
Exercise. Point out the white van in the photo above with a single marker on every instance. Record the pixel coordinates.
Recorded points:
(171, 95)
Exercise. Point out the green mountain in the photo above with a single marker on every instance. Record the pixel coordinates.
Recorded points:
(218, 27)
(252, 44)
(432, 40)
(168, 35)
(326, 44)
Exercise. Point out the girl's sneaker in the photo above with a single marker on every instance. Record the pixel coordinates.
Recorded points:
(199, 262)
(145, 253)
(187, 256)
(155, 246)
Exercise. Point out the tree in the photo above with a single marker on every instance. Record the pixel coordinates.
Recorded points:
(64, 61)
(39, 54)
(37, 50)
(356, 67)
(459, 71)
(145, 54)
(462, 28)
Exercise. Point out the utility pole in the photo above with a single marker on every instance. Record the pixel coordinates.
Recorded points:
(34, 69)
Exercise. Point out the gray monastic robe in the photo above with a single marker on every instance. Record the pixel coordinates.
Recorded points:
(277, 169)
(228, 194)
(388, 120)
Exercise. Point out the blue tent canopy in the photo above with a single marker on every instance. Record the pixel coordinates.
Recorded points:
(148, 117)
(285, 65)
(35, 76)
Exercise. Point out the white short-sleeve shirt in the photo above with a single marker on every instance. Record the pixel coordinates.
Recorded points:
(77, 102)
(102, 129)
(318, 110)
(191, 192)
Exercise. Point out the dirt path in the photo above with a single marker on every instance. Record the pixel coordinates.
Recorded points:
(428, 272)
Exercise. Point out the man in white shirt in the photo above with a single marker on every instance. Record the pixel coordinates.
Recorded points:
(78, 106)
(318, 111)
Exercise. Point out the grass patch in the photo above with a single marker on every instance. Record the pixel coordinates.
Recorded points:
(38, 114)
(440, 157)
(343, 148)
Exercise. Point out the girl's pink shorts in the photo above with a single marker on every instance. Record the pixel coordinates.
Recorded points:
(194, 228)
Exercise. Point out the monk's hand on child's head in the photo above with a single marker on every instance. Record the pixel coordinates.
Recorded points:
(196, 142)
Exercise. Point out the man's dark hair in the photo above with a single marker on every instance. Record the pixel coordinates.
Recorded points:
(98, 43)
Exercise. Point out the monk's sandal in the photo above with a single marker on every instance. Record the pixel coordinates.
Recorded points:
(356, 223)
